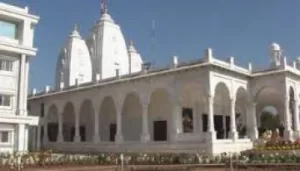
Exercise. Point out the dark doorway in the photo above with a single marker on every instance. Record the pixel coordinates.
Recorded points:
(160, 130)
(218, 120)
(112, 131)
(52, 131)
(204, 122)
(227, 126)
(72, 133)
(82, 133)
(42, 133)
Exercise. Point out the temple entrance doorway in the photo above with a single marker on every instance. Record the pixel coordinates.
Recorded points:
(160, 130)
(112, 131)
(219, 126)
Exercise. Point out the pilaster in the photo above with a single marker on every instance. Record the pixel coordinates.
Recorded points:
(26, 79)
(22, 70)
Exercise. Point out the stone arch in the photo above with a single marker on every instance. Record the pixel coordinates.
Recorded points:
(52, 123)
(107, 119)
(242, 100)
(269, 96)
(159, 115)
(132, 117)
(86, 120)
(68, 120)
(222, 110)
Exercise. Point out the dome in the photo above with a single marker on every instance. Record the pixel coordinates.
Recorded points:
(106, 17)
(131, 47)
(275, 47)
(75, 32)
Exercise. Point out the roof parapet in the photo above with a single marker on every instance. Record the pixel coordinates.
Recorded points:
(47, 89)
(250, 67)
(61, 85)
(231, 62)
(175, 61)
(208, 55)
(33, 92)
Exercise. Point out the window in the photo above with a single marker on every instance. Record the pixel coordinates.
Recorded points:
(42, 109)
(187, 120)
(8, 29)
(6, 65)
(4, 137)
(5, 100)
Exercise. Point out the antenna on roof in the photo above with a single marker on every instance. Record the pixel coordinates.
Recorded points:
(153, 38)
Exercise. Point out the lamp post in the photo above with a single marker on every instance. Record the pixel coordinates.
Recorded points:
(122, 161)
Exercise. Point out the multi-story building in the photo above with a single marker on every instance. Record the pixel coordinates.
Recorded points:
(16, 49)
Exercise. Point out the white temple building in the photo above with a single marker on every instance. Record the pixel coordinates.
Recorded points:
(16, 49)
(106, 99)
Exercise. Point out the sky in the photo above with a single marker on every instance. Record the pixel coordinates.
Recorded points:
(243, 29)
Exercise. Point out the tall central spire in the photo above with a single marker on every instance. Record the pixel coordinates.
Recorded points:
(103, 7)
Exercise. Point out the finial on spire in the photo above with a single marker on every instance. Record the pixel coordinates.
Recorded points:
(75, 32)
(130, 42)
(75, 27)
(103, 7)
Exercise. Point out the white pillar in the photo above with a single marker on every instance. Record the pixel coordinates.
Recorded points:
(77, 137)
(45, 137)
(296, 119)
(26, 86)
(211, 133)
(25, 141)
(195, 118)
(22, 137)
(254, 131)
(233, 132)
(21, 88)
(119, 136)
(288, 133)
(60, 137)
(96, 137)
(145, 136)
(176, 119)
(33, 138)
(38, 140)
(224, 125)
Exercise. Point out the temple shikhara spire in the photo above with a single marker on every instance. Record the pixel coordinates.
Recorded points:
(87, 59)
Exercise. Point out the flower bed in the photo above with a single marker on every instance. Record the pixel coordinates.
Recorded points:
(54, 160)
(46, 159)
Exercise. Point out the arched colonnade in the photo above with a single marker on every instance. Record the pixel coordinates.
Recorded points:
(162, 114)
